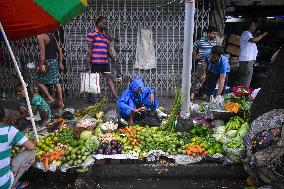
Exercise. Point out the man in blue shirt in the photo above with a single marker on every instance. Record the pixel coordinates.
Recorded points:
(217, 68)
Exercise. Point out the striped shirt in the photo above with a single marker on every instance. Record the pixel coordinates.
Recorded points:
(9, 137)
(204, 44)
(100, 44)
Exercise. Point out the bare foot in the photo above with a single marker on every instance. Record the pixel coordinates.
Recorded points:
(60, 104)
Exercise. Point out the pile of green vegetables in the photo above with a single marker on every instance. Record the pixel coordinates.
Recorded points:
(154, 139)
(66, 136)
(170, 123)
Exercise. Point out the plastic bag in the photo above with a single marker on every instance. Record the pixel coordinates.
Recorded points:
(90, 83)
(111, 116)
(254, 93)
(271, 157)
(154, 155)
(216, 103)
(186, 159)
(86, 122)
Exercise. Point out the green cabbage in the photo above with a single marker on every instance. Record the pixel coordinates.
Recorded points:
(232, 133)
(85, 135)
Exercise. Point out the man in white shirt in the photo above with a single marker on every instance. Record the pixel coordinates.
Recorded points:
(248, 54)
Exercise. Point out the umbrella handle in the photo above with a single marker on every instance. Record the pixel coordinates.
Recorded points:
(22, 81)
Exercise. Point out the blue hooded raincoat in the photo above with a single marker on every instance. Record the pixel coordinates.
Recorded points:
(130, 101)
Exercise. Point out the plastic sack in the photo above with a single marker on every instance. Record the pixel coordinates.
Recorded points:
(216, 103)
(154, 155)
(86, 123)
(90, 83)
(111, 116)
(195, 108)
(266, 165)
(185, 159)
(254, 93)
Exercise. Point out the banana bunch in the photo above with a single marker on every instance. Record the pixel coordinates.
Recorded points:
(234, 123)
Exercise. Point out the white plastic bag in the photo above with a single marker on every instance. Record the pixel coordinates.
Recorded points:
(90, 83)
(145, 52)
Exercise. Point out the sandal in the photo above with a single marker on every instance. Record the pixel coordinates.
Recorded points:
(22, 184)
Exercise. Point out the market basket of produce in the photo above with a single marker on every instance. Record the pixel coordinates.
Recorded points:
(242, 91)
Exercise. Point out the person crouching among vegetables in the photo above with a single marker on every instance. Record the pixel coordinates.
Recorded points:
(137, 102)
(39, 105)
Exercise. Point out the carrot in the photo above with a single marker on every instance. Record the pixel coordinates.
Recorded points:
(46, 163)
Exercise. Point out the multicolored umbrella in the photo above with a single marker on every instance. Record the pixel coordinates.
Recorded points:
(25, 18)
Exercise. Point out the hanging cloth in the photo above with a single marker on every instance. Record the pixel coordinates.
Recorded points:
(145, 51)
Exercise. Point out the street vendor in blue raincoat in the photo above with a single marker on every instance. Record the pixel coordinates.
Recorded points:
(137, 101)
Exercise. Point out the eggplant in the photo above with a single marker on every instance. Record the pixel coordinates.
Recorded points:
(119, 144)
(119, 150)
(100, 151)
(113, 143)
(104, 145)
(114, 151)
(107, 151)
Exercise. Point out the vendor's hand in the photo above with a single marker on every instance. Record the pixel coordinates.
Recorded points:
(136, 111)
(152, 98)
(142, 108)
(139, 110)
(264, 34)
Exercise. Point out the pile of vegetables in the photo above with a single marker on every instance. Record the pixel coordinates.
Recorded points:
(113, 147)
(106, 138)
(170, 123)
(66, 135)
(74, 156)
(46, 144)
(52, 156)
(92, 144)
(242, 101)
(71, 146)
(131, 139)
(195, 150)
(237, 128)
(109, 126)
(232, 107)
(92, 110)
(200, 130)
(154, 139)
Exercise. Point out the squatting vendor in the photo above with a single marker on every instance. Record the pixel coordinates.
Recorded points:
(137, 101)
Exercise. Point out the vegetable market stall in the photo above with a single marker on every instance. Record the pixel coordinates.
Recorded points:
(78, 140)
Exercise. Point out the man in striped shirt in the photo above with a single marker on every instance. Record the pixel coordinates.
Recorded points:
(199, 48)
(99, 51)
(10, 172)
